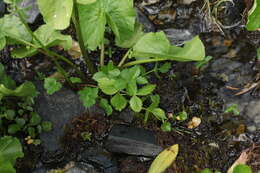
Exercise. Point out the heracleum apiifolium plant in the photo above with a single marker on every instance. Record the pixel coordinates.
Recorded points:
(16, 111)
(121, 84)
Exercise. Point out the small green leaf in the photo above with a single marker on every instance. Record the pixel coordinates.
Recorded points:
(118, 102)
(75, 80)
(108, 86)
(166, 126)
(207, 170)
(114, 72)
(253, 22)
(182, 116)
(46, 126)
(52, 85)
(10, 114)
(159, 114)
(35, 119)
(136, 104)
(131, 87)
(88, 96)
(233, 109)
(20, 121)
(106, 106)
(31, 132)
(141, 80)
(148, 89)
(57, 14)
(86, 136)
(13, 128)
(242, 169)
(165, 67)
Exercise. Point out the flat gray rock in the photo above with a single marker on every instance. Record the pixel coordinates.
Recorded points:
(33, 10)
(133, 141)
(59, 109)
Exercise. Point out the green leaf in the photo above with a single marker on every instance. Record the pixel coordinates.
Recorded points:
(136, 104)
(51, 85)
(155, 101)
(164, 159)
(253, 22)
(182, 116)
(46, 126)
(20, 121)
(11, 26)
(148, 89)
(13, 128)
(232, 109)
(207, 170)
(56, 13)
(159, 114)
(242, 169)
(88, 96)
(165, 67)
(10, 149)
(258, 53)
(85, 1)
(31, 132)
(75, 80)
(35, 119)
(2, 42)
(131, 73)
(119, 15)
(131, 87)
(141, 80)
(166, 126)
(6, 167)
(27, 89)
(48, 37)
(10, 114)
(118, 102)
(111, 86)
(106, 106)
(156, 45)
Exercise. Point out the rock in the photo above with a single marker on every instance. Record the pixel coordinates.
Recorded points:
(100, 158)
(33, 10)
(59, 109)
(2, 8)
(178, 36)
(131, 140)
(147, 24)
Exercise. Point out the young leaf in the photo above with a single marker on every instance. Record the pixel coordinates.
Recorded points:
(165, 67)
(52, 85)
(56, 13)
(141, 80)
(108, 86)
(136, 104)
(148, 89)
(118, 102)
(75, 80)
(35, 119)
(88, 96)
(46, 126)
(166, 126)
(10, 149)
(119, 15)
(159, 114)
(156, 45)
(106, 106)
(254, 17)
(164, 159)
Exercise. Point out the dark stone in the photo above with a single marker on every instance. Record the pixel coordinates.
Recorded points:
(59, 109)
(33, 10)
(2, 8)
(143, 19)
(99, 157)
(131, 140)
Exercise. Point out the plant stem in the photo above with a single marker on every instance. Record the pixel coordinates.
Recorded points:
(84, 52)
(124, 58)
(45, 50)
(60, 69)
(143, 61)
(102, 55)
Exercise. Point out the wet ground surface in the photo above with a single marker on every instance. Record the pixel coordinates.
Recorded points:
(231, 77)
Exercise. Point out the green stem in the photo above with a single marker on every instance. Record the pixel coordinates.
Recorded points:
(84, 52)
(124, 58)
(60, 69)
(44, 49)
(143, 61)
(102, 55)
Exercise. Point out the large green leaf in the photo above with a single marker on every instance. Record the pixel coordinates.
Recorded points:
(11, 26)
(156, 45)
(119, 15)
(49, 37)
(254, 17)
(27, 89)
(10, 149)
(57, 13)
